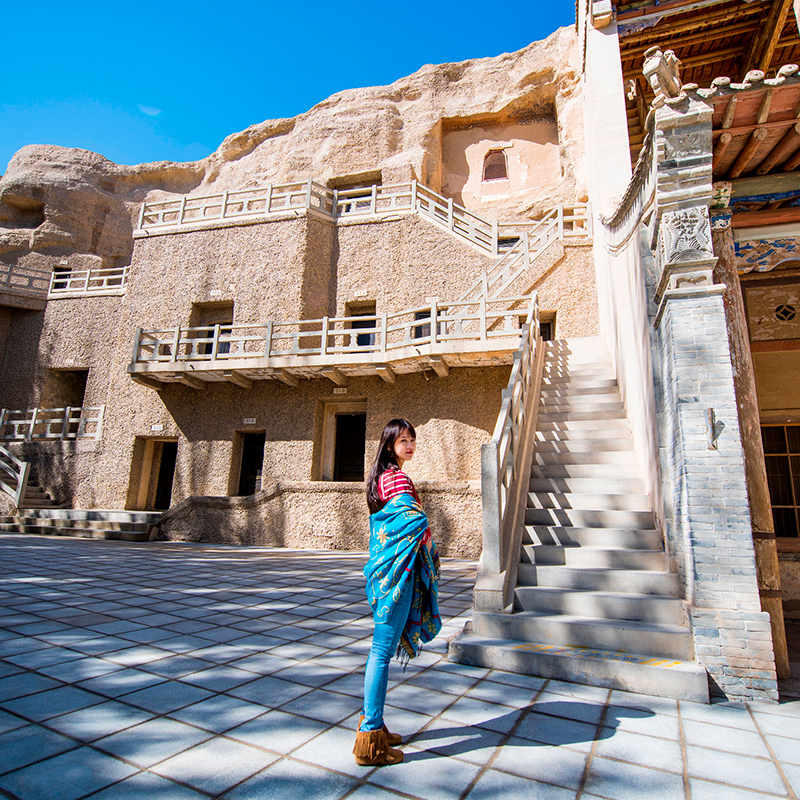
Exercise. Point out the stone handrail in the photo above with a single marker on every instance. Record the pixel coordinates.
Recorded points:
(87, 282)
(335, 337)
(13, 476)
(32, 424)
(253, 205)
(505, 469)
(638, 198)
(27, 280)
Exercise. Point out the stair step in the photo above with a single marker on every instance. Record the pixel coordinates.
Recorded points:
(586, 457)
(585, 501)
(585, 446)
(605, 605)
(579, 415)
(611, 402)
(555, 392)
(589, 518)
(629, 672)
(628, 538)
(100, 525)
(593, 471)
(581, 556)
(629, 636)
(569, 384)
(599, 579)
(608, 485)
(78, 533)
(579, 427)
(110, 515)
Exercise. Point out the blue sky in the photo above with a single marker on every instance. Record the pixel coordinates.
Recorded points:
(141, 82)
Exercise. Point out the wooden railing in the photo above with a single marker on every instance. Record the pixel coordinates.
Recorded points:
(401, 198)
(27, 280)
(87, 281)
(336, 337)
(31, 424)
(505, 470)
(13, 476)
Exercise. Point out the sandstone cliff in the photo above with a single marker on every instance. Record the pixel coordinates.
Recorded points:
(66, 203)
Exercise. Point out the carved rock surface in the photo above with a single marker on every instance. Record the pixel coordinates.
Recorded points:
(57, 201)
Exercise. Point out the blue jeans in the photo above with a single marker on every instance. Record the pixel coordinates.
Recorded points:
(384, 644)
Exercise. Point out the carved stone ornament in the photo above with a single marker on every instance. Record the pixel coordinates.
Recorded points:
(685, 145)
(662, 73)
(685, 235)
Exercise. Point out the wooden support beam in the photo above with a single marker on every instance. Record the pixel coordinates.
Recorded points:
(762, 45)
(335, 375)
(146, 380)
(721, 146)
(234, 376)
(789, 143)
(746, 156)
(730, 111)
(793, 163)
(387, 373)
(286, 377)
(755, 219)
(191, 381)
(439, 366)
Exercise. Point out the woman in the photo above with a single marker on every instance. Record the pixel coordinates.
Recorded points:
(402, 582)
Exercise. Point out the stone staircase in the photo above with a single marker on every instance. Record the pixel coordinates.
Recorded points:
(36, 497)
(594, 601)
(129, 526)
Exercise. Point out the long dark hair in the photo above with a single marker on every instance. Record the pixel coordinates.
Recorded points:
(385, 459)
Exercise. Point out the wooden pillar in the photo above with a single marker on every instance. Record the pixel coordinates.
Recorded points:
(764, 544)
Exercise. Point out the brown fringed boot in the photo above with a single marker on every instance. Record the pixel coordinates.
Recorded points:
(372, 750)
(393, 739)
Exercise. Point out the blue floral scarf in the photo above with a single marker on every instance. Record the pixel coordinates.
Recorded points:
(397, 556)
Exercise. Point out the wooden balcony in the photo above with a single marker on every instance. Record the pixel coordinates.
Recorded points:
(32, 424)
(467, 333)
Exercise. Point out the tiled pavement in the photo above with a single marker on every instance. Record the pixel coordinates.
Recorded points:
(177, 671)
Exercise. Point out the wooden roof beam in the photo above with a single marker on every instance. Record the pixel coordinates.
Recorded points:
(713, 34)
(191, 381)
(787, 145)
(386, 373)
(746, 156)
(661, 34)
(335, 375)
(763, 44)
(286, 377)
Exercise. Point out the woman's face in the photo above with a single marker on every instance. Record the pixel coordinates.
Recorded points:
(404, 446)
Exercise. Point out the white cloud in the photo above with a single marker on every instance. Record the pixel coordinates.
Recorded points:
(149, 110)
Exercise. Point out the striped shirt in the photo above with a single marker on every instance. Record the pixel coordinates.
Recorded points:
(394, 482)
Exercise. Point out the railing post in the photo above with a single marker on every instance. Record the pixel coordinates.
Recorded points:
(335, 209)
(141, 215)
(65, 423)
(267, 207)
(374, 201)
(3, 413)
(183, 209)
(560, 220)
(308, 194)
(526, 247)
(483, 316)
(434, 319)
(484, 283)
(414, 194)
(33, 423)
(176, 343)
(495, 238)
(491, 559)
(215, 341)
(137, 343)
(384, 332)
(268, 339)
(450, 219)
(324, 346)
(224, 206)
